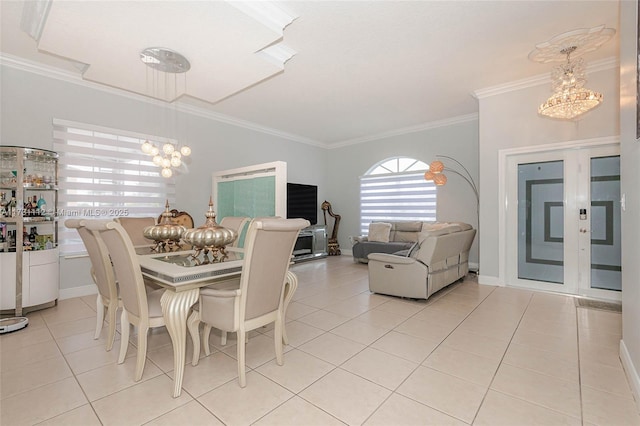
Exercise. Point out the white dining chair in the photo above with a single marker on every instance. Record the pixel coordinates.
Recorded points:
(103, 277)
(138, 308)
(259, 299)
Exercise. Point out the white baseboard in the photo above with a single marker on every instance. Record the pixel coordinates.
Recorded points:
(489, 280)
(631, 373)
(83, 290)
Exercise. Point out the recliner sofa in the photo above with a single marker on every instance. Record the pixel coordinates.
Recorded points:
(439, 258)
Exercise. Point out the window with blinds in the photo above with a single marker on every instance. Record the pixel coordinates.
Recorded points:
(103, 174)
(395, 189)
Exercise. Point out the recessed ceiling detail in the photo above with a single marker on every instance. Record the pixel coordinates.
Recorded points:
(365, 69)
(579, 42)
(242, 42)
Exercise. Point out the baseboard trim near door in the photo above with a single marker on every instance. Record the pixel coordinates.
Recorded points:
(489, 280)
(631, 373)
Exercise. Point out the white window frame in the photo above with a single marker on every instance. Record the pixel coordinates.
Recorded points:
(103, 174)
(394, 189)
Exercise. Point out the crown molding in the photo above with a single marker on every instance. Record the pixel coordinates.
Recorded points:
(74, 78)
(201, 112)
(34, 16)
(277, 54)
(269, 13)
(540, 79)
(406, 130)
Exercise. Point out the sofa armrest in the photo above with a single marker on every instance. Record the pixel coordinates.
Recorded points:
(391, 258)
(358, 239)
(398, 276)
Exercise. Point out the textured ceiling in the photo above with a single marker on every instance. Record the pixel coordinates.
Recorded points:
(358, 69)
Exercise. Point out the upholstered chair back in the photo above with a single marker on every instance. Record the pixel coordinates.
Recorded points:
(125, 263)
(237, 223)
(101, 269)
(134, 226)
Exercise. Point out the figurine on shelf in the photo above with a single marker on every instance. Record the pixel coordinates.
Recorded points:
(3, 204)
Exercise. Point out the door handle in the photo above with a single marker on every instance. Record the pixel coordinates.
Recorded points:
(388, 266)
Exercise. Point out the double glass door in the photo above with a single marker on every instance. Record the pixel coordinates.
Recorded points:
(563, 221)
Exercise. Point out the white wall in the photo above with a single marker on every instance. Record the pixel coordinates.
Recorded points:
(510, 120)
(31, 101)
(456, 201)
(630, 181)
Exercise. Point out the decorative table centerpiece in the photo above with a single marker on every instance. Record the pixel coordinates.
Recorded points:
(210, 237)
(166, 234)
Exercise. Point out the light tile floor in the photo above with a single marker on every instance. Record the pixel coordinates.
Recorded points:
(471, 354)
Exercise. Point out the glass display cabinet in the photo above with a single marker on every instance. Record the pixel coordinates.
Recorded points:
(29, 264)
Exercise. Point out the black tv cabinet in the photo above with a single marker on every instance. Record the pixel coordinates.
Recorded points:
(311, 243)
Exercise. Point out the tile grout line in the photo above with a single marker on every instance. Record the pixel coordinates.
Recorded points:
(501, 360)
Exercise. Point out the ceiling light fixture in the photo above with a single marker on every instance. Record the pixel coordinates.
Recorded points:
(570, 98)
(169, 156)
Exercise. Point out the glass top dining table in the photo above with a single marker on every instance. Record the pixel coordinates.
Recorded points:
(182, 276)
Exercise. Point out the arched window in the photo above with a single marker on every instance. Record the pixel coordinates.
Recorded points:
(395, 189)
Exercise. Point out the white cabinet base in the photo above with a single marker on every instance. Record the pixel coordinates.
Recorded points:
(40, 278)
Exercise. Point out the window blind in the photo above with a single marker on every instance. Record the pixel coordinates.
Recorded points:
(102, 174)
(396, 196)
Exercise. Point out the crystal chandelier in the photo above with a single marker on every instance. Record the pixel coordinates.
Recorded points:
(570, 98)
(168, 156)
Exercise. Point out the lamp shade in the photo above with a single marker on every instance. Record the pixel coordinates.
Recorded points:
(439, 179)
(436, 166)
(428, 175)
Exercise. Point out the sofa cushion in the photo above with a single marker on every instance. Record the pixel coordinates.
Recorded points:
(434, 226)
(379, 232)
(436, 229)
(405, 231)
(412, 226)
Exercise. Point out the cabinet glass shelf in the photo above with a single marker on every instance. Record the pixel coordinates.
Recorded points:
(34, 219)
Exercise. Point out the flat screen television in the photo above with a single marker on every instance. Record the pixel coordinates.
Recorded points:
(302, 202)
